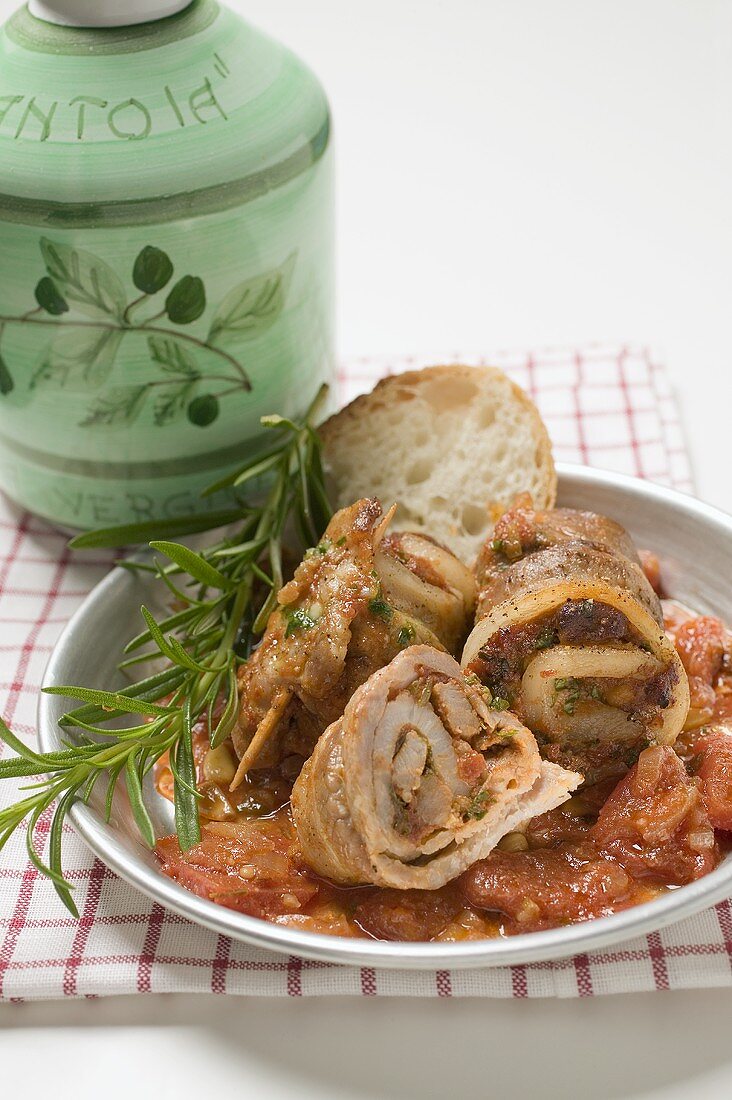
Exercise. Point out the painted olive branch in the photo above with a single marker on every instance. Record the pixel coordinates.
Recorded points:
(77, 281)
(133, 305)
(160, 330)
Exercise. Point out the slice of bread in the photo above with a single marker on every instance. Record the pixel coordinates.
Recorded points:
(452, 446)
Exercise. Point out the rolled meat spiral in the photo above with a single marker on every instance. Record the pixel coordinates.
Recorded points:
(418, 779)
(355, 601)
(570, 633)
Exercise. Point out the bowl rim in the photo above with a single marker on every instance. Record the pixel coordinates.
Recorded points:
(512, 950)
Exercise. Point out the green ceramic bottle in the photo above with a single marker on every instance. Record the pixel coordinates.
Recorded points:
(166, 234)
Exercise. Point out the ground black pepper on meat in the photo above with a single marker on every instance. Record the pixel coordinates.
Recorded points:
(502, 660)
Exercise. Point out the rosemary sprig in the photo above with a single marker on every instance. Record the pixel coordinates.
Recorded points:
(221, 599)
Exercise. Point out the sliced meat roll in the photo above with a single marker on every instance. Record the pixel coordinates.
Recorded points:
(570, 634)
(356, 600)
(419, 779)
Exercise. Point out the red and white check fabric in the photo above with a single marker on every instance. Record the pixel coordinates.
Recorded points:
(605, 406)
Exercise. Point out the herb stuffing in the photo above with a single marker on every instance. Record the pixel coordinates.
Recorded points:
(478, 807)
(379, 606)
(297, 619)
(545, 638)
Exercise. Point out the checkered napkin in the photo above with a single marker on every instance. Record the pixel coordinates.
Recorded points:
(605, 406)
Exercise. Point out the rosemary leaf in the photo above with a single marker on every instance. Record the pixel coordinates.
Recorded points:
(18, 746)
(232, 478)
(186, 804)
(158, 686)
(173, 622)
(192, 563)
(118, 735)
(227, 721)
(114, 774)
(110, 700)
(132, 534)
(16, 767)
(35, 859)
(168, 646)
(62, 887)
(137, 803)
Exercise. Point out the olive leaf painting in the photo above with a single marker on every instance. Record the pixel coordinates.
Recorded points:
(252, 306)
(81, 295)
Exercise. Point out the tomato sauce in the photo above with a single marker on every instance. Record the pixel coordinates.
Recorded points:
(609, 847)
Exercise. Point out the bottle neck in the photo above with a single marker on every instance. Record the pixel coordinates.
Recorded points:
(104, 13)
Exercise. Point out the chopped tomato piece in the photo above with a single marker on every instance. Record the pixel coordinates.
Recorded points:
(655, 823)
(252, 866)
(407, 914)
(713, 766)
(471, 767)
(548, 887)
(557, 827)
(702, 643)
(571, 821)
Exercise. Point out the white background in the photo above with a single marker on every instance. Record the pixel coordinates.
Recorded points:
(512, 173)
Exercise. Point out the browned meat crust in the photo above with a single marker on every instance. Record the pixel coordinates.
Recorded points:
(569, 632)
(354, 602)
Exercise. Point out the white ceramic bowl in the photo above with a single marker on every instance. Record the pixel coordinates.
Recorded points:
(694, 542)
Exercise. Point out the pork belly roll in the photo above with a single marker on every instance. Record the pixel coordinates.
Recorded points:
(570, 633)
(355, 601)
(419, 779)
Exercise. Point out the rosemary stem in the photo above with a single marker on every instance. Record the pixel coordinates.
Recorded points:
(216, 615)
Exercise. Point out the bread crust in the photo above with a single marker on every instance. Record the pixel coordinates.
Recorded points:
(462, 390)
